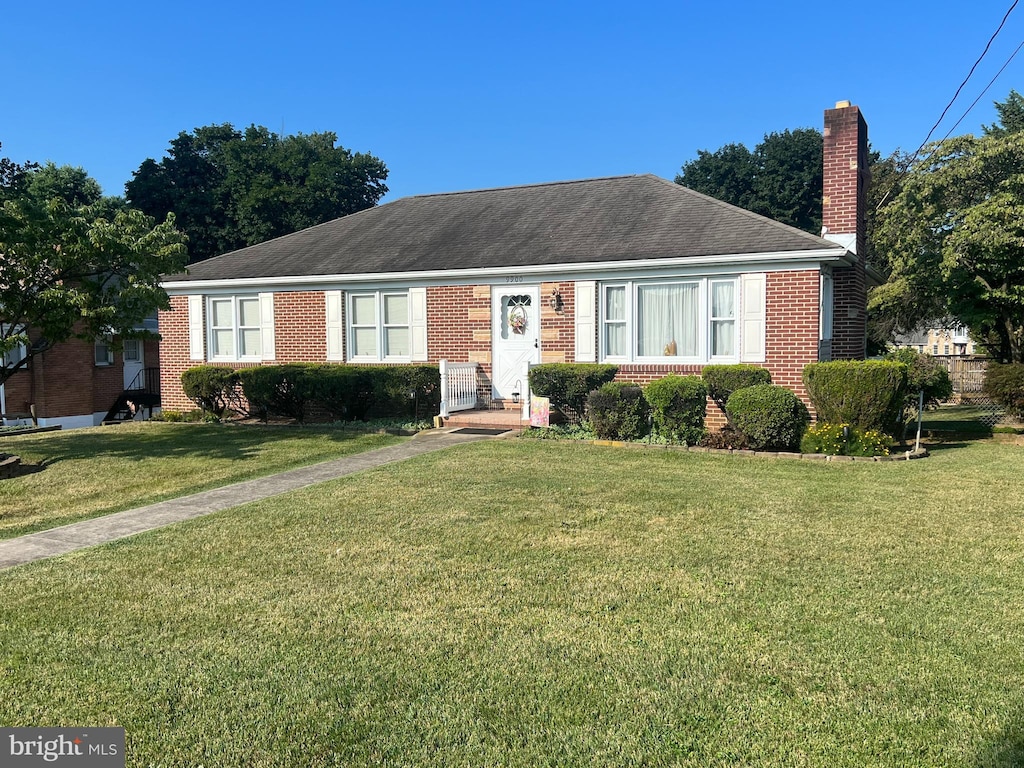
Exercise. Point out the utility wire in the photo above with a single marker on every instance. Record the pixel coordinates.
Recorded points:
(976, 63)
(913, 158)
(984, 91)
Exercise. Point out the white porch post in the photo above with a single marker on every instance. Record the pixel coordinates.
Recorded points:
(443, 365)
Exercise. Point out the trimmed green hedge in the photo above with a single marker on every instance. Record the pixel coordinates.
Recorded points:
(342, 392)
(769, 417)
(618, 411)
(276, 390)
(679, 406)
(568, 385)
(867, 394)
(723, 380)
(214, 388)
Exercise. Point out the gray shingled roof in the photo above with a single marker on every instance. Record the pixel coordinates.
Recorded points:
(595, 220)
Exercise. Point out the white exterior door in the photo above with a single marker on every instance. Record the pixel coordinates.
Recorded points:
(515, 334)
(133, 363)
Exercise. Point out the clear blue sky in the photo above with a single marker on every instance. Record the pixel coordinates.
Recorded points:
(455, 96)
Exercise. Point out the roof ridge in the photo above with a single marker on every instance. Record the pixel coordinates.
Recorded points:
(527, 186)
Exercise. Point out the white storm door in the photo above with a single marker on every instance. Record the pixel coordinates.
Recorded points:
(515, 335)
(133, 363)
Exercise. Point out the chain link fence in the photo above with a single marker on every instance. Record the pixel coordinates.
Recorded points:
(969, 402)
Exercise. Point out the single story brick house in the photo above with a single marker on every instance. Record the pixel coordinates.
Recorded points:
(633, 270)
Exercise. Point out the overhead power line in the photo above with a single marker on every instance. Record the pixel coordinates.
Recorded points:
(969, 74)
(984, 91)
(909, 162)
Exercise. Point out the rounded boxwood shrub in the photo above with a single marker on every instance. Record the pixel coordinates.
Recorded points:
(679, 406)
(1004, 383)
(568, 385)
(618, 411)
(212, 387)
(723, 380)
(769, 417)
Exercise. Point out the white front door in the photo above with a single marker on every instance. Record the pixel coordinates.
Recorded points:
(133, 363)
(515, 334)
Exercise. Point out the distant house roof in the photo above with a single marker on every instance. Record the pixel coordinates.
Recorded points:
(622, 218)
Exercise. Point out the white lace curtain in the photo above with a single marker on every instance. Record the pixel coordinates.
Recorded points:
(668, 320)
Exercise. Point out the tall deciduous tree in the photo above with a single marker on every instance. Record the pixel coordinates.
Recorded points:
(230, 189)
(75, 270)
(954, 237)
(780, 179)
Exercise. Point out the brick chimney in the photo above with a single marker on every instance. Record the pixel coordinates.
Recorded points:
(844, 221)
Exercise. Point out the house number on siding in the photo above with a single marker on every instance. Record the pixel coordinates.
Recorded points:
(514, 278)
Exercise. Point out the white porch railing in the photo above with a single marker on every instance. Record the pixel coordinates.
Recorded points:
(458, 387)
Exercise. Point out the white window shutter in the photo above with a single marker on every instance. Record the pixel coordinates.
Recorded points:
(586, 321)
(752, 341)
(196, 346)
(267, 327)
(418, 324)
(335, 326)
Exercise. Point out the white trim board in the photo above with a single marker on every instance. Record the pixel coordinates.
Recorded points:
(721, 264)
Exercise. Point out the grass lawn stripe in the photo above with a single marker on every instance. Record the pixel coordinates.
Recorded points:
(514, 603)
(92, 472)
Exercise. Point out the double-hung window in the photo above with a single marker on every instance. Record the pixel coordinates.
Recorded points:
(378, 326)
(234, 328)
(689, 320)
(103, 351)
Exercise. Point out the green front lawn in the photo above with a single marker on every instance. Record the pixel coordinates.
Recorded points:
(523, 603)
(89, 472)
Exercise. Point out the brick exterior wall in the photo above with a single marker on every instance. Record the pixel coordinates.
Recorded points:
(174, 354)
(65, 381)
(844, 211)
(459, 330)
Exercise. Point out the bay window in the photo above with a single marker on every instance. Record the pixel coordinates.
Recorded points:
(687, 320)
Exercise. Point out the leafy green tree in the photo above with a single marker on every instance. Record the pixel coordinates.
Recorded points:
(1011, 116)
(72, 185)
(70, 270)
(229, 189)
(13, 177)
(780, 179)
(954, 237)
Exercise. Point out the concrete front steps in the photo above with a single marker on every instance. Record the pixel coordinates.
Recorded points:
(500, 415)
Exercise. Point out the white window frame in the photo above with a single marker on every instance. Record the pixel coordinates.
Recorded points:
(704, 321)
(106, 344)
(236, 328)
(734, 318)
(379, 326)
(605, 322)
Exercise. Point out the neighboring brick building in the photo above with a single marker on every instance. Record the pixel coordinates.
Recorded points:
(77, 383)
(633, 270)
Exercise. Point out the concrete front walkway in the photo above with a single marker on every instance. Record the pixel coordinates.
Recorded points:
(68, 538)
